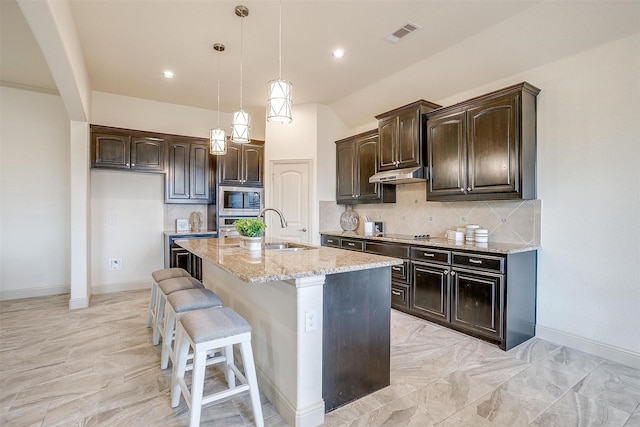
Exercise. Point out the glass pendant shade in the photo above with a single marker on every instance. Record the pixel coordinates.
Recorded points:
(279, 102)
(217, 142)
(240, 127)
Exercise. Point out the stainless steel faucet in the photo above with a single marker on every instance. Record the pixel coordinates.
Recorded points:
(283, 222)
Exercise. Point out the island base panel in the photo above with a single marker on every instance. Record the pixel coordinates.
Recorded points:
(356, 340)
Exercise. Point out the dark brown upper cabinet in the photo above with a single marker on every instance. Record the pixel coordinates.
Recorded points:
(484, 148)
(188, 173)
(356, 160)
(242, 165)
(400, 136)
(114, 148)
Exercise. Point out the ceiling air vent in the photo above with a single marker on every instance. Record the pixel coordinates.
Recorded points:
(406, 29)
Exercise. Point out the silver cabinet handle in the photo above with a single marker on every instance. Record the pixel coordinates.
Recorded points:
(127, 164)
(428, 255)
(453, 273)
(133, 164)
(462, 189)
(396, 293)
(468, 188)
(475, 261)
(304, 230)
(351, 244)
(395, 268)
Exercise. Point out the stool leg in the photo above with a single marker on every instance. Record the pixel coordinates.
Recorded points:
(250, 373)
(159, 317)
(167, 336)
(197, 386)
(182, 351)
(231, 376)
(152, 304)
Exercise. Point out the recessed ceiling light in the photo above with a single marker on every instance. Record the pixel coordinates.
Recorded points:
(167, 74)
(338, 53)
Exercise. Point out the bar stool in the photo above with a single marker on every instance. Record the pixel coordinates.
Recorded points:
(203, 331)
(158, 276)
(165, 288)
(179, 303)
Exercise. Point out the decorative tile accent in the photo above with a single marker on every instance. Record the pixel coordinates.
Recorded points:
(509, 221)
(175, 211)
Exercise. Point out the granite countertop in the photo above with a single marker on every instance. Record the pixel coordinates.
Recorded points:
(174, 233)
(441, 242)
(270, 265)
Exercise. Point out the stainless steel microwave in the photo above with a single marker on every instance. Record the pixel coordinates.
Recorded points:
(235, 201)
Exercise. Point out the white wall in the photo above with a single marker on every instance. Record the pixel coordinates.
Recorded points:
(127, 223)
(34, 194)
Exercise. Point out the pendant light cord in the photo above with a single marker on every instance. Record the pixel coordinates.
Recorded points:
(280, 45)
(218, 89)
(241, 55)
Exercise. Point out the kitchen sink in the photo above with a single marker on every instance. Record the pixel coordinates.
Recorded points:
(286, 246)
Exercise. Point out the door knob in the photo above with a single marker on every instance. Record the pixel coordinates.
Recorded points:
(303, 230)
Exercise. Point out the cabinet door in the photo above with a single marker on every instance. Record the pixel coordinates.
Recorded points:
(345, 172)
(230, 165)
(178, 174)
(430, 298)
(252, 164)
(409, 151)
(492, 132)
(110, 151)
(446, 154)
(180, 258)
(366, 154)
(387, 143)
(147, 154)
(199, 172)
(477, 302)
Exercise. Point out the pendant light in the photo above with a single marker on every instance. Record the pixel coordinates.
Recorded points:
(279, 102)
(240, 126)
(217, 140)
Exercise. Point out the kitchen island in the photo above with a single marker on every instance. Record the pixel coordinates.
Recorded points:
(320, 319)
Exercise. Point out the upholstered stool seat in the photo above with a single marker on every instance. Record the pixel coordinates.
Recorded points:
(158, 276)
(203, 331)
(165, 288)
(177, 304)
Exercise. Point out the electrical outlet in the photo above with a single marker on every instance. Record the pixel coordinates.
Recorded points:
(115, 264)
(310, 320)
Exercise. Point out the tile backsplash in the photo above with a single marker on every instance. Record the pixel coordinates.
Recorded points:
(508, 221)
(176, 211)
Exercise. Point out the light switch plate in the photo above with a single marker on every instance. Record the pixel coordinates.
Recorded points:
(182, 224)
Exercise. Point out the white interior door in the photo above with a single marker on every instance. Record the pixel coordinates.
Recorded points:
(290, 193)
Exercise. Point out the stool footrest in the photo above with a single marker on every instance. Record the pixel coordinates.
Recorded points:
(224, 393)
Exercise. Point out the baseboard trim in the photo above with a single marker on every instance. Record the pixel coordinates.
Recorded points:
(118, 287)
(616, 354)
(34, 292)
(75, 304)
(310, 416)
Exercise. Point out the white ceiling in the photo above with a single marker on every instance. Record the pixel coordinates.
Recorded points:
(128, 43)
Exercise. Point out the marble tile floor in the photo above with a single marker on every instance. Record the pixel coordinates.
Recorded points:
(97, 367)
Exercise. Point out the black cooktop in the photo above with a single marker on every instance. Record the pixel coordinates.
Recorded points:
(405, 236)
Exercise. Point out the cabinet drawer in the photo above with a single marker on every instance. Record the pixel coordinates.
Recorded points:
(400, 272)
(399, 295)
(355, 245)
(386, 249)
(485, 262)
(430, 255)
(330, 241)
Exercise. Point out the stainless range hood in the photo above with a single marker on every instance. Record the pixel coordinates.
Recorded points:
(399, 176)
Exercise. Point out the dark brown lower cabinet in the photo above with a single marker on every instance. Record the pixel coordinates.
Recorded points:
(431, 291)
(182, 258)
(487, 295)
(477, 302)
